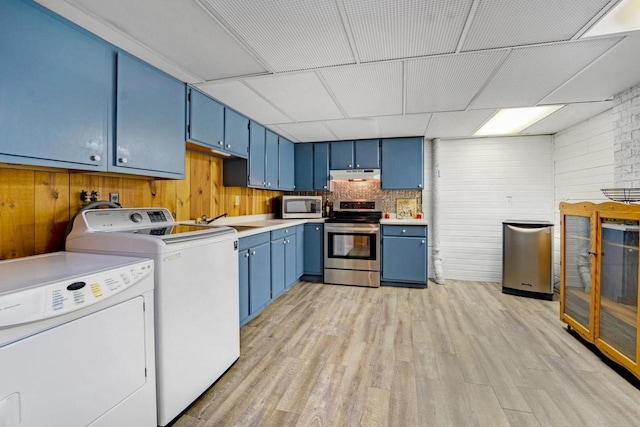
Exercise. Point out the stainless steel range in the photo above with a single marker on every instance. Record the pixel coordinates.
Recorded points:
(352, 243)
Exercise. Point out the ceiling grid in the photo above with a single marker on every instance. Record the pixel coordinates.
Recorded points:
(338, 69)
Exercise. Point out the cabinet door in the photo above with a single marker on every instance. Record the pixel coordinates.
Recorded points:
(341, 155)
(286, 166)
(257, 147)
(272, 160)
(313, 249)
(367, 154)
(290, 262)
(404, 259)
(236, 133)
(259, 277)
(150, 123)
(402, 164)
(304, 167)
(243, 261)
(206, 120)
(321, 166)
(55, 94)
(277, 267)
(299, 250)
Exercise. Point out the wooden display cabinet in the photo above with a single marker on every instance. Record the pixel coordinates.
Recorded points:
(599, 252)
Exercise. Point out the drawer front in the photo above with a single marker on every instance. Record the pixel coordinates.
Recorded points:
(252, 241)
(283, 232)
(404, 230)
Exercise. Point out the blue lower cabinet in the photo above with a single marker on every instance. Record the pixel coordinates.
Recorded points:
(255, 275)
(243, 262)
(313, 249)
(299, 250)
(404, 255)
(290, 263)
(277, 267)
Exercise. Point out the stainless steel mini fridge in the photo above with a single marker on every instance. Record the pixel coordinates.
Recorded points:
(527, 258)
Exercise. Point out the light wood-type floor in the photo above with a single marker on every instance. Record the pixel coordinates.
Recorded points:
(459, 354)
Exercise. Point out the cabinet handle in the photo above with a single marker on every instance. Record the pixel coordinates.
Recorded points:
(324, 186)
(357, 166)
(404, 231)
(317, 228)
(253, 252)
(419, 185)
(268, 183)
(288, 241)
(95, 157)
(220, 143)
(422, 242)
(228, 145)
(350, 165)
(123, 160)
(286, 231)
(264, 182)
(246, 255)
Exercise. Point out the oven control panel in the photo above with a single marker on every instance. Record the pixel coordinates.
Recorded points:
(66, 296)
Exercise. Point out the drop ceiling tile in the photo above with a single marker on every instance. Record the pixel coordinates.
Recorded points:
(567, 116)
(499, 23)
(288, 35)
(301, 96)
(403, 125)
(354, 128)
(614, 72)
(367, 90)
(456, 124)
(447, 83)
(390, 29)
(307, 132)
(179, 31)
(240, 97)
(529, 74)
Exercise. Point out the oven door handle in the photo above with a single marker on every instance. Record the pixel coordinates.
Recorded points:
(351, 229)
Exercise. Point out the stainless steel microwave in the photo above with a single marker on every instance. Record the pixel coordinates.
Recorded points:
(294, 207)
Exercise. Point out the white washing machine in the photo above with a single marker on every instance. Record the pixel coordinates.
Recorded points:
(196, 294)
(77, 341)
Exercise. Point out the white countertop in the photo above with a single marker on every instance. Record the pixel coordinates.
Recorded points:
(396, 221)
(262, 223)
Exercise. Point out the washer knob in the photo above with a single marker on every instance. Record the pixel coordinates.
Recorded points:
(135, 217)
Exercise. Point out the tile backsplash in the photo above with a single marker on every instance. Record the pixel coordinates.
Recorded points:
(369, 190)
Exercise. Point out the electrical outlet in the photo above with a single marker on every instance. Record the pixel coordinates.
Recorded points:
(237, 201)
(114, 197)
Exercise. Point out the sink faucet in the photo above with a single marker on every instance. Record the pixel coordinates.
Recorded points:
(205, 219)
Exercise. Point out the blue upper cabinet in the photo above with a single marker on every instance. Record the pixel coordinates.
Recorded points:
(321, 166)
(272, 161)
(304, 167)
(342, 155)
(206, 120)
(367, 154)
(236, 133)
(150, 120)
(286, 168)
(361, 154)
(55, 84)
(257, 155)
(402, 164)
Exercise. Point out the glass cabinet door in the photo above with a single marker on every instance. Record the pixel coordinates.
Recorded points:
(577, 261)
(618, 296)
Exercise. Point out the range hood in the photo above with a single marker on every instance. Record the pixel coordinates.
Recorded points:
(354, 174)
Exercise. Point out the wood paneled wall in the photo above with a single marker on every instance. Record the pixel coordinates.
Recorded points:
(35, 205)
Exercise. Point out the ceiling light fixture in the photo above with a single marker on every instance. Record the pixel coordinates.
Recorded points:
(625, 16)
(511, 121)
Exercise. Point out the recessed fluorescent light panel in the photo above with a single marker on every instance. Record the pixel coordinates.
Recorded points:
(511, 121)
(622, 18)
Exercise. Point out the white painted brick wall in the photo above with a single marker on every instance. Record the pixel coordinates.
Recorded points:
(583, 159)
(626, 140)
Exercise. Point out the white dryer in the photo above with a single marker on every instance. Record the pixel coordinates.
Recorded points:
(77, 341)
(196, 294)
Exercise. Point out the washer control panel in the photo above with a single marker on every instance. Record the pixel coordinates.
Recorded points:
(42, 302)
